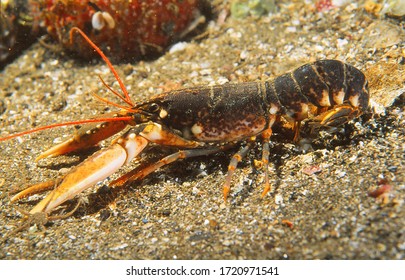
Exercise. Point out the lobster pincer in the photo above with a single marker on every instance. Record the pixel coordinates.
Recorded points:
(96, 168)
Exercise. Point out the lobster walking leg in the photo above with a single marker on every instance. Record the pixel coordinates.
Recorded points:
(265, 159)
(296, 128)
(236, 158)
(142, 172)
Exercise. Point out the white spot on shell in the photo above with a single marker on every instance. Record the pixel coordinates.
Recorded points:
(354, 100)
(162, 114)
(153, 133)
(339, 97)
(273, 109)
(304, 109)
(196, 129)
(325, 99)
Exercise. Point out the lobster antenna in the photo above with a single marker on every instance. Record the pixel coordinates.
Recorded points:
(127, 99)
(64, 124)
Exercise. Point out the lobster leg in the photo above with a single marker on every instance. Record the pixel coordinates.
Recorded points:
(236, 158)
(142, 172)
(265, 160)
(296, 128)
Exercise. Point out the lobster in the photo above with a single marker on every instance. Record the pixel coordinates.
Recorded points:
(202, 120)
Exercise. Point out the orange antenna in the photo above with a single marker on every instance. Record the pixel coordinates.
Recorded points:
(115, 119)
(126, 97)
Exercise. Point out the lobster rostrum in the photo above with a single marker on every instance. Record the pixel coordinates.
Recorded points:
(201, 121)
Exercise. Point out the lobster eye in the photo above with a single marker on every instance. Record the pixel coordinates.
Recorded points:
(153, 108)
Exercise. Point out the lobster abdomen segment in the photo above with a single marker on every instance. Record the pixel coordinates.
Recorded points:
(324, 84)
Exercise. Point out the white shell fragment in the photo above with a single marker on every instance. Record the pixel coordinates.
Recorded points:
(97, 21)
(109, 20)
(101, 19)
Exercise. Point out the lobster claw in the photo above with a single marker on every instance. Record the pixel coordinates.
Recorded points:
(85, 137)
(96, 168)
(101, 164)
